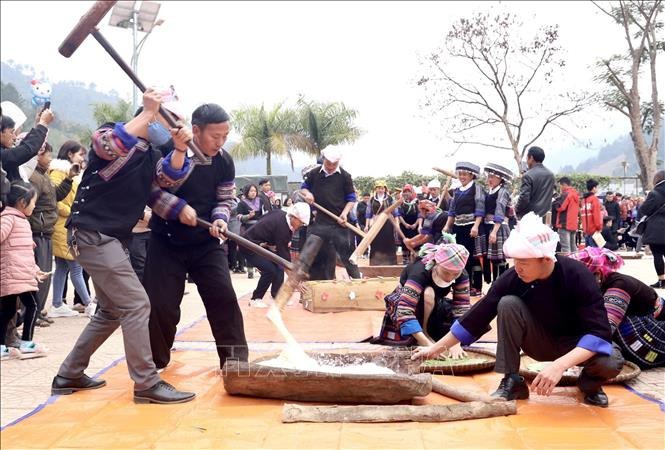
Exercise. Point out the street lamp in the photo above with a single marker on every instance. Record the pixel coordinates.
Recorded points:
(125, 14)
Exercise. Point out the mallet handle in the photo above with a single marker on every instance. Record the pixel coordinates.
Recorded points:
(251, 246)
(130, 73)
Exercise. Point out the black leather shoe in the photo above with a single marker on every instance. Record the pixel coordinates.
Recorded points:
(512, 387)
(162, 393)
(66, 386)
(597, 398)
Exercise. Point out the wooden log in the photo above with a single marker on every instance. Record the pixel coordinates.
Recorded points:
(396, 413)
(242, 378)
(324, 296)
(463, 395)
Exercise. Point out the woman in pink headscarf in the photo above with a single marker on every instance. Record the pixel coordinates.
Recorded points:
(411, 317)
(634, 310)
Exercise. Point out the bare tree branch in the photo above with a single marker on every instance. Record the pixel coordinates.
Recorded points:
(481, 143)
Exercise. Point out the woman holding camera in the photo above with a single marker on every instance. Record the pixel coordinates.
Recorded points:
(68, 164)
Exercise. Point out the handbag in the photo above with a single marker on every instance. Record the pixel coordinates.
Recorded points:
(641, 225)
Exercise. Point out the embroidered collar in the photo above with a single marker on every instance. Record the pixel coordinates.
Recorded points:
(467, 187)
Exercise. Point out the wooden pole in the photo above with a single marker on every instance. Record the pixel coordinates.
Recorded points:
(463, 395)
(373, 231)
(396, 413)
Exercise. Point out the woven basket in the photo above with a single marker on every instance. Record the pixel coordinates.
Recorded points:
(487, 356)
(628, 372)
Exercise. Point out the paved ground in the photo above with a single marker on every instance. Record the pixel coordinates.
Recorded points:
(26, 384)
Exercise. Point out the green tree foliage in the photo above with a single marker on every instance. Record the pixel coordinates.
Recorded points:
(578, 180)
(8, 92)
(326, 124)
(268, 132)
(109, 112)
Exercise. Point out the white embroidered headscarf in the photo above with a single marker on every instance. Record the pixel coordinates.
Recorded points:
(531, 238)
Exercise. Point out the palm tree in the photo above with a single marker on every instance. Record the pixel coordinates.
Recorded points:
(108, 112)
(266, 133)
(326, 124)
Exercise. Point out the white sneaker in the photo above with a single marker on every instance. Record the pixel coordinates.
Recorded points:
(62, 311)
(258, 303)
(78, 307)
(90, 309)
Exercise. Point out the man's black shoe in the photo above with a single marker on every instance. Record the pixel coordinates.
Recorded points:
(512, 387)
(162, 393)
(597, 398)
(66, 386)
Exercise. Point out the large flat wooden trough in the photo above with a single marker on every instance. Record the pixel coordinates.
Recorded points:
(252, 379)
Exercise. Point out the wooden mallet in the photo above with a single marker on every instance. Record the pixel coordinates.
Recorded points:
(351, 227)
(251, 246)
(87, 25)
(373, 231)
(447, 173)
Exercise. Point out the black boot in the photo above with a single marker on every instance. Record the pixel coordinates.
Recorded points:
(512, 387)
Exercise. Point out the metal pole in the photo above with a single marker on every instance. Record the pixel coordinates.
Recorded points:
(135, 16)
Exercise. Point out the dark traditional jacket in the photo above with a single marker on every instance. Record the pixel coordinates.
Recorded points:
(567, 304)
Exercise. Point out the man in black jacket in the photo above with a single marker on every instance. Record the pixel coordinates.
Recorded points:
(274, 232)
(331, 187)
(13, 157)
(177, 247)
(537, 188)
(548, 306)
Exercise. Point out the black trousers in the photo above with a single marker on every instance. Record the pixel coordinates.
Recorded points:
(138, 251)
(337, 238)
(164, 277)
(8, 312)
(272, 276)
(519, 330)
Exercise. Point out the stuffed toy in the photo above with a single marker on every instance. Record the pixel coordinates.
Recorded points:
(41, 93)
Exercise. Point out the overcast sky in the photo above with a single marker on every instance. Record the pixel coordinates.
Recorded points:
(362, 53)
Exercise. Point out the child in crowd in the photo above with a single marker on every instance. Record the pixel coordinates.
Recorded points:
(19, 275)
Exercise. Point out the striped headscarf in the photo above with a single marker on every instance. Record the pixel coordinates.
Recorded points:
(451, 257)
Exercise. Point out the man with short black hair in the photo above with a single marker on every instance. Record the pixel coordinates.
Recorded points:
(567, 207)
(178, 247)
(613, 210)
(537, 186)
(590, 213)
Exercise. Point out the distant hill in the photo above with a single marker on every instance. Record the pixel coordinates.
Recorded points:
(72, 100)
(609, 160)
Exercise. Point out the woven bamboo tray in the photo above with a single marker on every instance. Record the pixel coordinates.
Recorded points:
(478, 361)
(529, 371)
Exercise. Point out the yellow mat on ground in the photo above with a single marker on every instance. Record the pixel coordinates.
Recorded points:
(108, 418)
